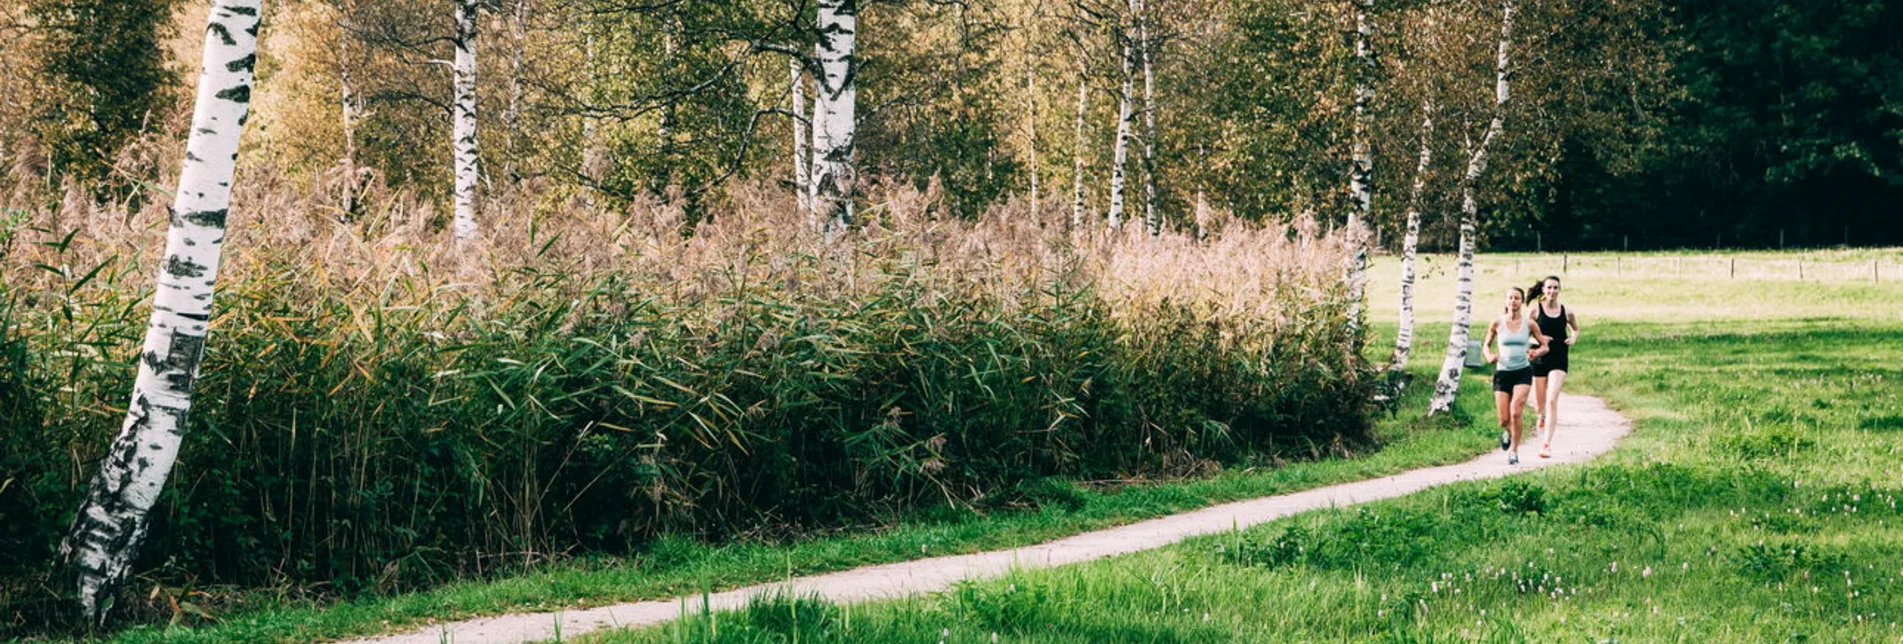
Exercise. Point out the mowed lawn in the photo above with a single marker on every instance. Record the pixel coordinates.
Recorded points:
(1756, 502)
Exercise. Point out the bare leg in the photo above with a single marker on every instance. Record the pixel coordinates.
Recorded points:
(1558, 379)
(1539, 404)
(1503, 401)
(1518, 415)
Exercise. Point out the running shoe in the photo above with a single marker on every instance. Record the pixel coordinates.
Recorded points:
(1506, 440)
(1513, 458)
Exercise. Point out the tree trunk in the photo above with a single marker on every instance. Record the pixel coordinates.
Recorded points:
(594, 156)
(1077, 151)
(1449, 383)
(802, 171)
(112, 519)
(1144, 46)
(1030, 125)
(1404, 335)
(464, 132)
(350, 108)
(1121, 154)
(512, 114)
(834, 112)
(1361, 170)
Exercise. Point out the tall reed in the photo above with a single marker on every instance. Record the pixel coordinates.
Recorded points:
(380, 408)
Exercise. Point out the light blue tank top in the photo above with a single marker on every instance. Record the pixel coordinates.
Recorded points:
(1513, 346)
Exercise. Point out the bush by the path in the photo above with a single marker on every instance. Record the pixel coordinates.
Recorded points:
(379, 409)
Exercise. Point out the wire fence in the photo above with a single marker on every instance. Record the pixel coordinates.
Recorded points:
(1875, 271)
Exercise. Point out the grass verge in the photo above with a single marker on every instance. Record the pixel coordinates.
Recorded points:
(679, 567)
(1756, 501)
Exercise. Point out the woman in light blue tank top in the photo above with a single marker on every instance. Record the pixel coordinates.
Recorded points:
(1509, 346)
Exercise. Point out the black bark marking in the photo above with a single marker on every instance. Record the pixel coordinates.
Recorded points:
(242, 11)
(186, 351)
(212, 218)
(224, 34)
(180, 267)
(240, 94)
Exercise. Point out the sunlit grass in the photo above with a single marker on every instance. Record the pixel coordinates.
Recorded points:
(1757, 501)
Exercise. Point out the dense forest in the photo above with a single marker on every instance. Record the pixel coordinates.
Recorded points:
(1634, 124)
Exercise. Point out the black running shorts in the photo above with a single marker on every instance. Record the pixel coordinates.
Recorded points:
(1505, 381)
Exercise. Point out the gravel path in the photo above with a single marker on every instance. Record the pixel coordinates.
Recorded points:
(1589, 429)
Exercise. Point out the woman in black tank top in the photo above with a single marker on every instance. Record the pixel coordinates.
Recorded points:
(1549, 371)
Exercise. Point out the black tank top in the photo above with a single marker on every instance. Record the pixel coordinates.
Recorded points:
(1554, 328)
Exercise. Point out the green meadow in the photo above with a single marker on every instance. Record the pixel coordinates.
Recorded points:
(1756, 500)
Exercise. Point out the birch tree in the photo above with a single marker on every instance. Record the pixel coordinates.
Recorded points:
(802, 157)
(1404, 333)
(1455, 361)
(834, 112)
(512, 113)
(350, 108)
(1361, 165)
(113, 517)
(1033, 23)
(1078, 148)
(1120, 154)
(1146, 45)
(464, 127)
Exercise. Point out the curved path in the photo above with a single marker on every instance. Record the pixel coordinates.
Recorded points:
(1590, 429)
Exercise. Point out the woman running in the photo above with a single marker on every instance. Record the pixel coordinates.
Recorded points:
(1513, 372)
(1549, 371)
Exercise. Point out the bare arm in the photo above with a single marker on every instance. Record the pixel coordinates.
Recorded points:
(1486, 346)
(1546, 344)
(1572, 327)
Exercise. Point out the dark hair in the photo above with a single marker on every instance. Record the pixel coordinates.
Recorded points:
(1522, 293)
(1539, 288)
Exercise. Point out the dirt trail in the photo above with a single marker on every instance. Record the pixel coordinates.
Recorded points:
(1589, 429)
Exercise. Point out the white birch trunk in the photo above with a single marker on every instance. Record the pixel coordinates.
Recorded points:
(1361, 170)
(594, 157)
(1202, 217)
(1404, 334)
(349, 110)
(1077, 151)
(834, 118)
(1120, 155)
(1030, 125)
(512, 114)
(1144, 46)
(112, 519)
(464, 130)
(1448, 384)
(802, 171)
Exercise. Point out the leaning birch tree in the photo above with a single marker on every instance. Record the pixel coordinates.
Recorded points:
(1410, 242)
(113, 517)
(463, 132)
(1451, 366)
(834, 112)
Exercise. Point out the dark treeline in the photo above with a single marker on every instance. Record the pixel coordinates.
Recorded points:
(1643, 125)
(1783, 131)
